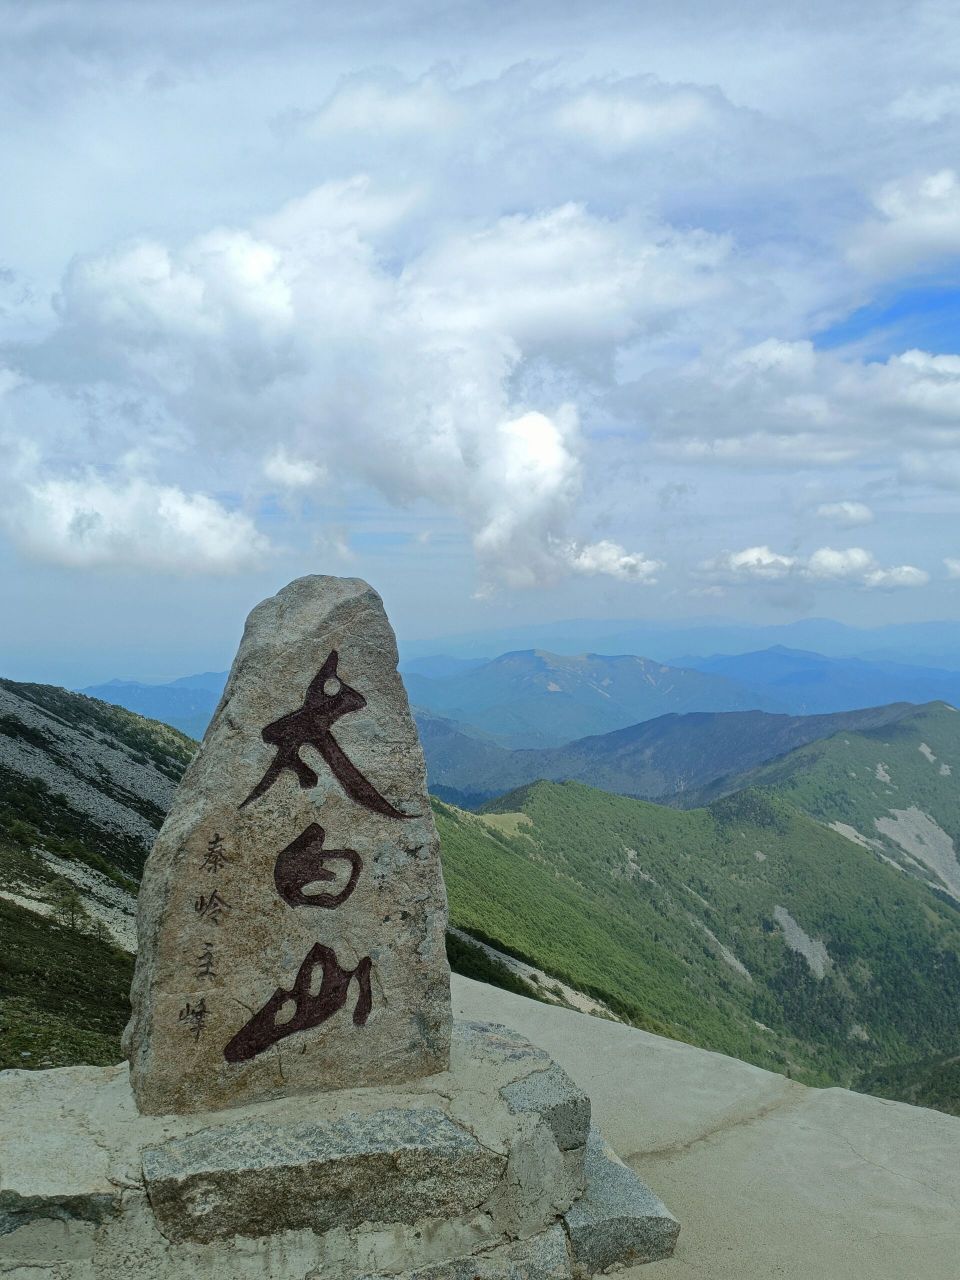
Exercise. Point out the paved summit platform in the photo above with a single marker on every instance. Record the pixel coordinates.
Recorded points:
(769, 1178)
(468, 1172)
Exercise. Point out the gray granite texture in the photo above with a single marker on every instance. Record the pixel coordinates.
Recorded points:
(258, 1178)
(339, 1184)
(543, 1257)
(618, 1220)
(292, 913)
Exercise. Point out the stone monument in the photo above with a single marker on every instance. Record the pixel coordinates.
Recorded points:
(298, 1105)
(292, 912)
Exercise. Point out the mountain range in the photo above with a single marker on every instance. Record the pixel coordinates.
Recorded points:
(775, 924)
(187, 704)
(535, 699)
(932, 644)
(806, 683)
(663, 759)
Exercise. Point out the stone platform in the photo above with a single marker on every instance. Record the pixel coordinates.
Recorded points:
(486, 1170)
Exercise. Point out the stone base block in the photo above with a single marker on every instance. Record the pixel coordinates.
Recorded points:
(618, 1219)
(545, 1256)
(482, 1158)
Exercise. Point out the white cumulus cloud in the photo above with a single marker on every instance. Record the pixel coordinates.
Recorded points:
(88, 522)
(826, 565)
(612, 559)
(917, 221)
(845, 513)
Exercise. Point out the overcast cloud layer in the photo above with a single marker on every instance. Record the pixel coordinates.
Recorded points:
(629, 309)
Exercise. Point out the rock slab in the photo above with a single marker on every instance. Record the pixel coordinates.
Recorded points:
(258, 1177)
(618, 1220)
(292, 914)
(437, 1176)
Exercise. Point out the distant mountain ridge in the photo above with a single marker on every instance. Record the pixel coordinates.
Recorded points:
(935, 644)
(806, 683)
(666, 759)
(531, 698)
(187, 703)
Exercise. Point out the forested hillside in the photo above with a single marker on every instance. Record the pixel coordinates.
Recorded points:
(895, 789)
(747, 927)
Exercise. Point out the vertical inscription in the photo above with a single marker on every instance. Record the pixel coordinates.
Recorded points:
(322, 985)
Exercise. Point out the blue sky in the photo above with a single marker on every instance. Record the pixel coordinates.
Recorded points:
(519, 311)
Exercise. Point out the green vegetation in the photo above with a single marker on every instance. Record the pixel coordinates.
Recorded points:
(934, 1082)
(616, 896)
(474, 963)
(861, 778)
(63, 993)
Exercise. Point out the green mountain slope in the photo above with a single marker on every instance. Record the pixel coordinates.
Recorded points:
(934, 1082)
(895, 789)
(746, 928)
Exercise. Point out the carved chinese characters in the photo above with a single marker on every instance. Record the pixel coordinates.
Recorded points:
(292, 914)
(328, 698)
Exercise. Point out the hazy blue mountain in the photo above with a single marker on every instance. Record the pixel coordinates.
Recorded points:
(187, 703)
(538, 699)
(665, 759)
(440, 666)
(805, 683)
(931, 644)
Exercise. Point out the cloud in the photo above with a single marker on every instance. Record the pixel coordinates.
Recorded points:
(927, 105)
(415, 382)
(952, 567)
(459, 285)
(752, 562)
(88, 522)
(917, 223)
(291, 473)
(825, 565)
(846, 513)
(611, 559)
(615, 119)
(787, 403)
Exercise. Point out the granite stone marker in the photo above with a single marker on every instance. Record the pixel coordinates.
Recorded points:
(292, 912)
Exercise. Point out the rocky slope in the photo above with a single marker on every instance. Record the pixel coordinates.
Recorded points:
(83, 789)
